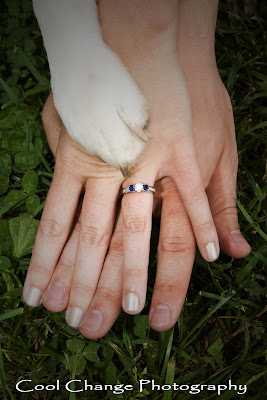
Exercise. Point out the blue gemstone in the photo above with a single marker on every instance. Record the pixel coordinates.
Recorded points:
(131, 188)
(145, 187)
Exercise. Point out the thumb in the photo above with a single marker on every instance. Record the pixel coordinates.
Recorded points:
(221, 193)
(52, 123)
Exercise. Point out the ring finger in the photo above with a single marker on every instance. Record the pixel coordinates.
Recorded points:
(106, 304)
(56, 296)
(137, 220)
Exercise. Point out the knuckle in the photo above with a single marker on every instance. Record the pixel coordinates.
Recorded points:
(135, 271)
(167, 287)
(77, 227)
(177, 212)
(116, 248)
(40, 269)
(135, 224)
(51, 228)
(224, 205)
(65, 265)
(197, 195)
(92, 237)
(107, 293)
(207, 226)
(175, 244)
(82, 287)
(227, 210)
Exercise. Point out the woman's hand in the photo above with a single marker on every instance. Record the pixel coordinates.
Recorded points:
(74, 285)
(176, 254)
(213, 132)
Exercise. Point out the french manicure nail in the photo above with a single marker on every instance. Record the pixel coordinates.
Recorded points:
(55, 292)
(34, 297)
(161, 315)
(131, 302)
(92, 320)
(74, 316)
(211, 251)
(238, 239)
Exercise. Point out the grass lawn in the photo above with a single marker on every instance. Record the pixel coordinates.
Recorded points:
(221, 333)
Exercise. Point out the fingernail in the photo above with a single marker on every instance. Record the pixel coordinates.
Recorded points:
(238, 239)
(131, 302)
(34, 297)
(55, 292)
(161, 315)
(211, 251)
(92, 321)
(74, 316)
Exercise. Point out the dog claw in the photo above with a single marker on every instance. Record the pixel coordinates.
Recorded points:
(125, 172)
(141, 134)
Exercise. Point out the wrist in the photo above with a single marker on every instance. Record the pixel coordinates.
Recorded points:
(196, 54)
(196, 31)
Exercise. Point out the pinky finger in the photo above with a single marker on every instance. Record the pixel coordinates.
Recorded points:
(189, 183)
(56, 296)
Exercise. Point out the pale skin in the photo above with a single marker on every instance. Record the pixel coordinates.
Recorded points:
(98, 247)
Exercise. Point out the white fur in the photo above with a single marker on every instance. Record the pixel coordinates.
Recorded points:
(95, 96)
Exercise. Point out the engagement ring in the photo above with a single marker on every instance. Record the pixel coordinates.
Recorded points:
(138, 187)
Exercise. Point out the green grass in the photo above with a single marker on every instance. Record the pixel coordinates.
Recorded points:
(221, 333)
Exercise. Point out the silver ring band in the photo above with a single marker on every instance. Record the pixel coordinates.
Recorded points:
(138, 187)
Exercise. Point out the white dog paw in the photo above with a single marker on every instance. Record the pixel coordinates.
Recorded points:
(103, 110)
(97, 99)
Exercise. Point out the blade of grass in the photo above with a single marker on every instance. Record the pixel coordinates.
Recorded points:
(150, 362)
(8, 207)
(250, 220)
(167, 353)
(38, 209)
(258, 126)
(11, 314)
(169, 379)
(2, 374)
(163, 344)
(10, 93)
(37, 89)
(42, 80)
(256, 377)
(204, 319)
(241, 275)
(233, 303)
(45, 163)
(233, 73)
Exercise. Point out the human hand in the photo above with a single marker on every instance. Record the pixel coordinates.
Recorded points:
(214, 135)
(74, 170)
(106, 303)
(170, 151)
(176, 248)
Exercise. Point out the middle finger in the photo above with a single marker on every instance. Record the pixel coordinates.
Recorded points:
(176, 252)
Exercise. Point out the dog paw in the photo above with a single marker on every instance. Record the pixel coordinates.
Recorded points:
(97, 99)
(103, 110)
